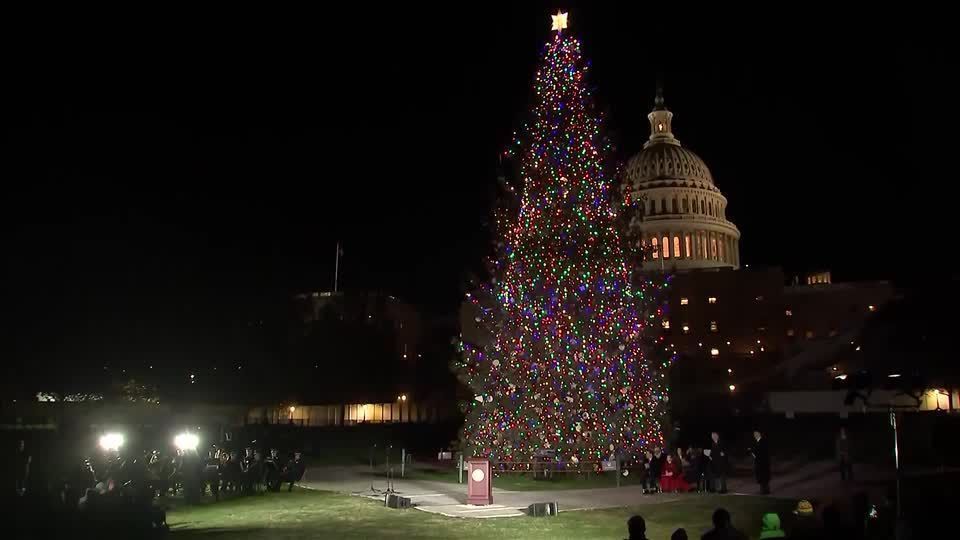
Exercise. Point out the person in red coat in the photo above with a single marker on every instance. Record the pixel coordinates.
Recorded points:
(671, 479)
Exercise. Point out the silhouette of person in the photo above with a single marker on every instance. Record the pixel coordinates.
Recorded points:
(723, 529)
(636, 528)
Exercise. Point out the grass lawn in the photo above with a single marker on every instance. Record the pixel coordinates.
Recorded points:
(312, 514)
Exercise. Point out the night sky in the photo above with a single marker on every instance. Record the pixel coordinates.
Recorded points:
(171, 180)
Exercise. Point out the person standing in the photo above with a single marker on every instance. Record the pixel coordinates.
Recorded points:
(211, 474)
(22, 461)
(719, 463)
(656, 469)
(843, 456)
(761, 462)
(293, 471)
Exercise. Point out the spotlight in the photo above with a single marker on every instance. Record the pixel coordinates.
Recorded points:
(111, 441)
(186, 441)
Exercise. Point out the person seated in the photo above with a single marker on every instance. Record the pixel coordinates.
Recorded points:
(679, 534)
(671, 478)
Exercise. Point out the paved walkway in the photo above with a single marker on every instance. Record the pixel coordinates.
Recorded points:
(816, 480)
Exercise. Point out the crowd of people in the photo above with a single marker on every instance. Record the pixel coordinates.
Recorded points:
(859, 521)
(126, 490)
(702, 469)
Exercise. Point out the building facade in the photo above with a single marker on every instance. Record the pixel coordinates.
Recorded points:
(678, 214)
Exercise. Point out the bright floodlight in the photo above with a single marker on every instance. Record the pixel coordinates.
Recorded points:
(111, 441)
(186, 441)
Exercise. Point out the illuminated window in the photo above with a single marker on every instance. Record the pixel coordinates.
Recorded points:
(720, 249)
(712, 300)
(686, 240)
(703, 246)
(789, 313)
(713, 326)
(653, 242)
(713, 248)
(684, 301)
(871, 308)
(686, 329)
(665, 242)
(714, 352)
(790, 332)
(660, 126)
(666, 324)
(676, 246)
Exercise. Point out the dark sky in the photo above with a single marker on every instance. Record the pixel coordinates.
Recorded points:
(172, 177)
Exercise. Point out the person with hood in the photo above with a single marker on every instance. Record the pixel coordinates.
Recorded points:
(770, 526)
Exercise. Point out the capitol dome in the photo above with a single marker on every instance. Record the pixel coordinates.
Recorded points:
(678, 214)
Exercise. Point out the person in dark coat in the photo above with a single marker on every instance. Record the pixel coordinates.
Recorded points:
(719, 464)
(271, 470)
(21, 465)
(761, 462)
(211, 473)
(723, 529)
(293, 471)
(656, 469)
(636, 528)
(247, 474)
(843, 456)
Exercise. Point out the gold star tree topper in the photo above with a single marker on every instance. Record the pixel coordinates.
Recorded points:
(559, 21)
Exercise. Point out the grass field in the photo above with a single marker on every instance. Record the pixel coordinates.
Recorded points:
(311, 514)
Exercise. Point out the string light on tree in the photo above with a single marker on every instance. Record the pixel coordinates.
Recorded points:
(576, 363)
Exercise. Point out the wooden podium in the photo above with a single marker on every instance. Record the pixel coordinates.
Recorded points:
(479, 482)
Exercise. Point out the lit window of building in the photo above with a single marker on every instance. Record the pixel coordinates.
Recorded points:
(714, 352)
(686, 240)
(871, 307)
(656, 248)
(712, 300)
(676, 246)
(686, 329)
(713, 326)
(665, 242)
(789, 313)
(684, 301)
(666, 324)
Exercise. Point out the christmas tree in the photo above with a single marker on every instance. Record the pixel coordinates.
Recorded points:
(575, 363)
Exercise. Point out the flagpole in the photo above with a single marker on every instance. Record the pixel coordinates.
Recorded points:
(336, 268)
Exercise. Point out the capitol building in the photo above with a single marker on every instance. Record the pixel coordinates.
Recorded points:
(679, 214)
